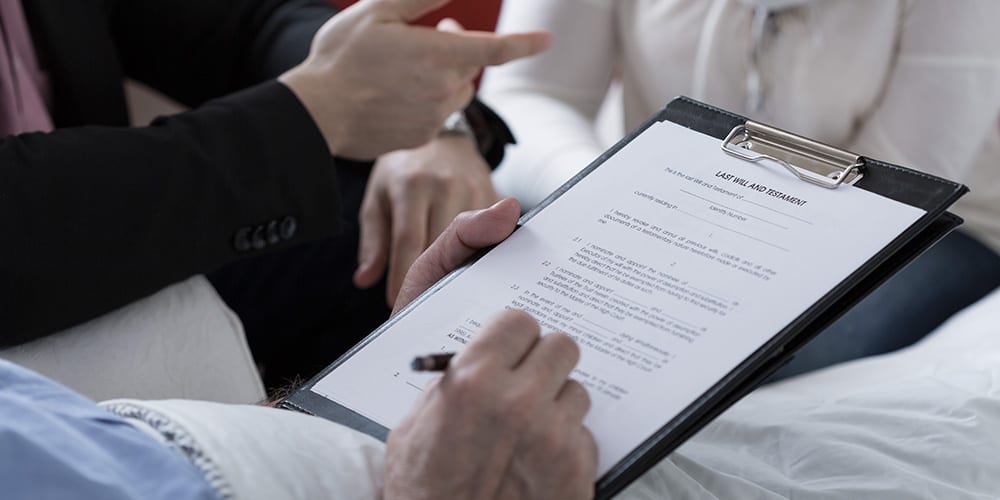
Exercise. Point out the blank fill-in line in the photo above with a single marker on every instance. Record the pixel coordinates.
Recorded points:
(623, 346)
(629, 300)
(733, 209)
(710, 294)
(661, 313)
(594, 332)
(415, 386)
(720, 226)
(600, 326)
(777, 211)
(678, 320)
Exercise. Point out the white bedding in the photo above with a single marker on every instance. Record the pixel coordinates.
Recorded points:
(923, 422)
(920, 423)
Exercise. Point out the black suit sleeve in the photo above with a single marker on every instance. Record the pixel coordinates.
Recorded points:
(97, 217)
(492, 134)
(195, 50)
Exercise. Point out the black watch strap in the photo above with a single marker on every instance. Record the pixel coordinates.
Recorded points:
(492, 134)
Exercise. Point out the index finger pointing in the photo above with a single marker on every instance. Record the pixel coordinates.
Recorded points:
(478, 48)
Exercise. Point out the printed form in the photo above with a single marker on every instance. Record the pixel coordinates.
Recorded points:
(669, 264)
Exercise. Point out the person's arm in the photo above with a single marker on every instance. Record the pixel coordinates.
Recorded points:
(102, 216)
(943, 93)
(550, 101)
(58, 444)
(97, 217)
(196, 50)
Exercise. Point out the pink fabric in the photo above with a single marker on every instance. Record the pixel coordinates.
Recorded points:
(23, 86)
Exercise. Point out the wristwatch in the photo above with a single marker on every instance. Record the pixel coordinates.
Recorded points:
(487, 131)
(458, 124)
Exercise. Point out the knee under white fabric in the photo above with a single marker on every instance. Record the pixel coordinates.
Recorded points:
(254, 452)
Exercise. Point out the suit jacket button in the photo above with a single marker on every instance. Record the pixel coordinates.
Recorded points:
(241, 240)
(257, 240)
(288, 227)
(272, 233)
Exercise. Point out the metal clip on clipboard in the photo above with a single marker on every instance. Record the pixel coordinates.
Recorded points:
(754, 142)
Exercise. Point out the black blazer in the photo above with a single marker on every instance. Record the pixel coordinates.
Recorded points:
(96, 215)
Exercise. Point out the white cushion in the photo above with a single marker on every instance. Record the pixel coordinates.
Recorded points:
(181, 342)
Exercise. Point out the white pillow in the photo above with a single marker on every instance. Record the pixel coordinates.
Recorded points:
(181, 342)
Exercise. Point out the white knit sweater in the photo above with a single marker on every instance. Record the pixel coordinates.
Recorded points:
(914, 82)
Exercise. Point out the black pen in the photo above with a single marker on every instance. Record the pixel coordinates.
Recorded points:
(431, 362)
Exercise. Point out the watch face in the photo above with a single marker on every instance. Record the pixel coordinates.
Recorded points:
(456, 124)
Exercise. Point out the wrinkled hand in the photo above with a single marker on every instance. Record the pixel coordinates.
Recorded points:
(504, 422)
(412, 196)
(374, 84)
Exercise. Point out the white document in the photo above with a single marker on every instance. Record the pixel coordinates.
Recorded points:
(669, 264)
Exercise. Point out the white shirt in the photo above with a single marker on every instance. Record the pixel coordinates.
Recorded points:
(914, 82)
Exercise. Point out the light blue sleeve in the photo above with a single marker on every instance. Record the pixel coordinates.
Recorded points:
(55, 443)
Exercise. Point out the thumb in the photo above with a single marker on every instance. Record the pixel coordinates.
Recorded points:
(411, 10)
(478, 230)
(467, 234)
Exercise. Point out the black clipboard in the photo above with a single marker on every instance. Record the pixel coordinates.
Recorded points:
(751, 141)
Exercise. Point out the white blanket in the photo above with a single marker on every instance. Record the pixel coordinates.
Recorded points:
(923, 422)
